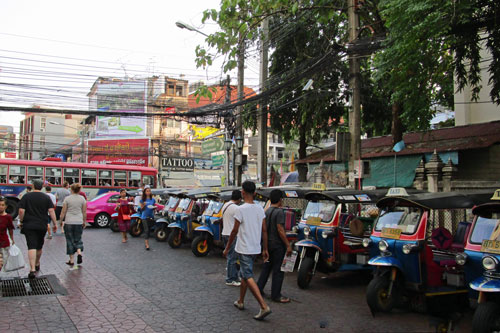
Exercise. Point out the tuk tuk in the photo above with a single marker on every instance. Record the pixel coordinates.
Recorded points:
(161, 224)
(483, 256)
(209, 234)
(419, 241)
(331, 233)
(185, 220)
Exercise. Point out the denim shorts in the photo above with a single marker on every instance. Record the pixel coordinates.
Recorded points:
(246, 265)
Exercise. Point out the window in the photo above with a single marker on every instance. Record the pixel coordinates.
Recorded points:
(178, 91)
(105, 178)
(170, 89)
(42, 141)
(113, 198)
(72, 175)
(53, 175)
(34, 173)
(148, 180)
(89, 177)
(16, 174)
(43, 124)
(3, 174)
(120, 178)
(134, 177)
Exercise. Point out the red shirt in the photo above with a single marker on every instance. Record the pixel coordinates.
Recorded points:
(83, 194)
(5, 223)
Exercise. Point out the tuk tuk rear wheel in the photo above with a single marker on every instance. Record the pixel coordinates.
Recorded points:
(377, 294)
(200, 246)
(174, 239)
(486, 318)
(305, 273)
(113, 225)
(135, 228)
(161, 234)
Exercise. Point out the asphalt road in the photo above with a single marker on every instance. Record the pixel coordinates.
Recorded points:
(123, 288)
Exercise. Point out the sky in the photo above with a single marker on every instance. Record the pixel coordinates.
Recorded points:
(52, 51)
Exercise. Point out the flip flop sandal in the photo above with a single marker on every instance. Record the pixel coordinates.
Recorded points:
(282, 299)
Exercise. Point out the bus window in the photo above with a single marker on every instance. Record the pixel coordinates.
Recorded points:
(34, 173)
(148, 180)
(16, 174)
(53, 176)
(72, 175)
(104, 177)
(3, 174)
(89, 177)
(134, 178)
(120, 178)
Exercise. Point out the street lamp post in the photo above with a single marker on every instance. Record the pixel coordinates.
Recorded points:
(82, 137)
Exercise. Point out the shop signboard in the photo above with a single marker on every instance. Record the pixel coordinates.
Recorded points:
(119, 151)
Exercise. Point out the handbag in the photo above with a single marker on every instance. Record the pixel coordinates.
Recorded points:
(15, 261)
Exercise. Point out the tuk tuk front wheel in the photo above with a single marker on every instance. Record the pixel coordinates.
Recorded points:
(174, 239)
(113, 225)
(486, 318)
(161, 234)
(200, 246)
(305, 273)
(135, 228)
(377, 294)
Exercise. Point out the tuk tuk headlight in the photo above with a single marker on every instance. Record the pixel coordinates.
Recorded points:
(383, 246)
(461, 258)
(490, 263)
(324, 234)
(407, 248)
(366, 242)
(307, 231)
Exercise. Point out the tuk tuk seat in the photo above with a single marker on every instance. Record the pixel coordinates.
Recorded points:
(460, 236)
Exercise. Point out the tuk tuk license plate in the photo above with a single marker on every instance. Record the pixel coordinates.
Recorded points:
(393, 233)
(492, 246)
(314, 221)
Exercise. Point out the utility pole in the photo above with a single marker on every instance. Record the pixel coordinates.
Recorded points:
(228, 125)
(354, 85)
(262, 124)
(239, 109)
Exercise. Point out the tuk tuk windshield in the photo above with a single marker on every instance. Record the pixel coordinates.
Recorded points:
(172, 201)
(486, 229)
(213, 208)
(404, 218)
(261, 203)
(184, 204)
(322, 209)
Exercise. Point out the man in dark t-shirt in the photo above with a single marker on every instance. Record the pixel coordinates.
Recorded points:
(278, 246)
(33, 209)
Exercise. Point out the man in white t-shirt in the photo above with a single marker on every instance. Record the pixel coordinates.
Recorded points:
(250, 227)
(228, 211)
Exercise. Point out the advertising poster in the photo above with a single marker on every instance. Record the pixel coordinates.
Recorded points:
(119, 151)
(126, 96)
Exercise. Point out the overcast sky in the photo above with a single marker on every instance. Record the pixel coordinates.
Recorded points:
(52, 51)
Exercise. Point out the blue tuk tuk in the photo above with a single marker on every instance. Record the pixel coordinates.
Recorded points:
(483, 255)
(419, 242)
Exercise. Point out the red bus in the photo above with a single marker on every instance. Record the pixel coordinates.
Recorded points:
(96, 179)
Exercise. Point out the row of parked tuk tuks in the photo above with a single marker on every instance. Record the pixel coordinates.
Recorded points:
(432, 252)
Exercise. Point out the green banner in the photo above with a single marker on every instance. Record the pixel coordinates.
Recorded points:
(218, 160)
(212, 146)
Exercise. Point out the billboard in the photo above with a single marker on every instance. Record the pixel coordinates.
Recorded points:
(123, 96)
(119, 151)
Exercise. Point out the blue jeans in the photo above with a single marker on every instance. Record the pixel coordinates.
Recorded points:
(246, 265)
(232, 269)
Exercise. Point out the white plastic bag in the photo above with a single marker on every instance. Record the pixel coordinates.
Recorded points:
(15, 260)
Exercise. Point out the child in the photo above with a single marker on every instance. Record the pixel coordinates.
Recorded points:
(5, 223)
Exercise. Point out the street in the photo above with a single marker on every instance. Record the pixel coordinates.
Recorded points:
(123, 288)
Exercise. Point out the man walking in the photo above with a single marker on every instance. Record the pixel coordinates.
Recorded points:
(228, 211)
(33, 209)
(278, 246)
(48, 191)
(250, 227)
(61, 194)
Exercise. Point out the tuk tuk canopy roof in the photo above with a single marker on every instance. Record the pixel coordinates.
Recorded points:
(487, 208)
(347, 196)
(439, 200)
(287, 191)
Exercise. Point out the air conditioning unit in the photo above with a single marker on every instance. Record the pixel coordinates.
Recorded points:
(42, 129)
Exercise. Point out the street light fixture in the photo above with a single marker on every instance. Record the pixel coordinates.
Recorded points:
(228, 144)
(239, 142)
(186, 26)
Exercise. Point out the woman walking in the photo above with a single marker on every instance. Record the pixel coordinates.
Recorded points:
(124, 212)
(74, 215)
(147, 215)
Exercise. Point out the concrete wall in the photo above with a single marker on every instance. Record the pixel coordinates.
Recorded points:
(479, 164)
